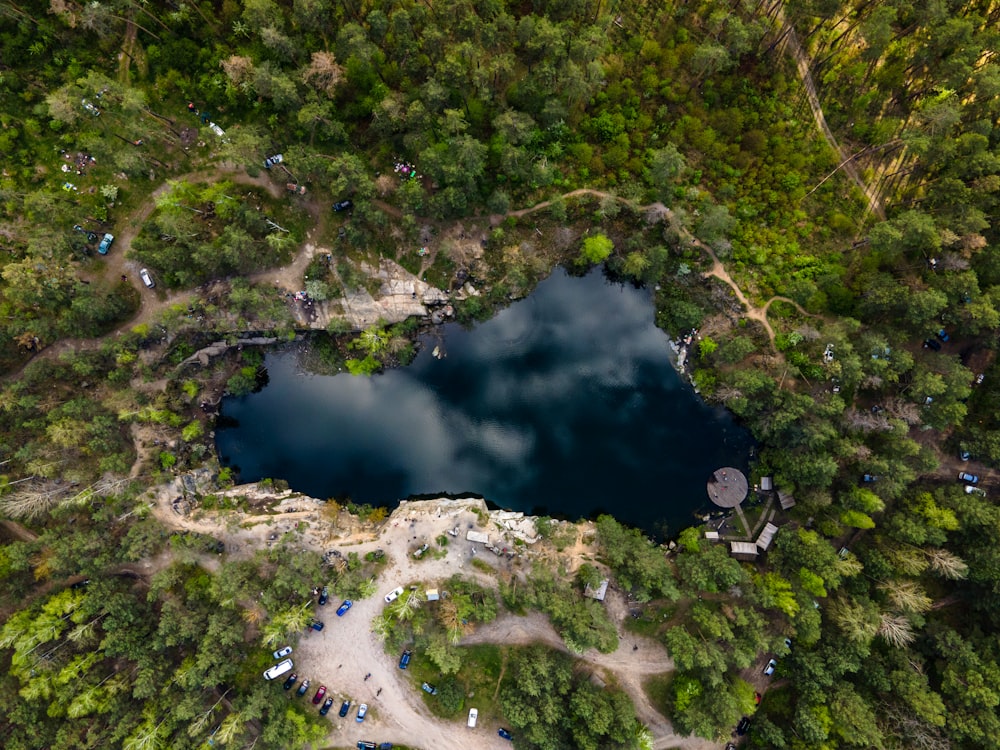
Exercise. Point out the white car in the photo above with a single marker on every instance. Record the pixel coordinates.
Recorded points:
(278, 669)
(146, 278)
(281, 653)
(771, 666)
(393, 595)
(473, 715)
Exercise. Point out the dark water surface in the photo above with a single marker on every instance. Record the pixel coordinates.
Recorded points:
(564, 403)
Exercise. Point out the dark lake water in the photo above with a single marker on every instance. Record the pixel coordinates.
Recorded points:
(565, 403)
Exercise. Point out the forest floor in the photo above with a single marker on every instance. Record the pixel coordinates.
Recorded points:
(845, 162)
(346, 650)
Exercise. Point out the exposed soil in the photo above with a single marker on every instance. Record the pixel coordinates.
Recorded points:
(346, 650)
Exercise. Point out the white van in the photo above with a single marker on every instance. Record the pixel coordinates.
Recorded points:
(278, 669)
(473, 715)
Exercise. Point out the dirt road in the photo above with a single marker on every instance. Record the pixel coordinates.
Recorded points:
(346, 650)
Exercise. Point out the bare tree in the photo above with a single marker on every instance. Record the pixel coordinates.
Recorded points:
(946, 564)
(906, 596)
(897, 630)
(34, 499)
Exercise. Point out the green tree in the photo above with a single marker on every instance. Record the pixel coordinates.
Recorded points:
(595, 249)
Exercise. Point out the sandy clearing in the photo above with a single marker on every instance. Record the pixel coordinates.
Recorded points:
(346, 650)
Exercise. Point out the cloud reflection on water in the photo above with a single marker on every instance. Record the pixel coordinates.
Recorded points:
(566, 393)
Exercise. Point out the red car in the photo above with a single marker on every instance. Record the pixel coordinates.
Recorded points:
(319, 695)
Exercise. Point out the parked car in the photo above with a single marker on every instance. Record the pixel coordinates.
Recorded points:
(772, 664)
(344, 708)
(973, 490)
(344, 606)
(302, 688)
(964, 455)
(943, 335)
(362, 712)
(146, 278)
(505, 734)
(427, 688)
(366, 745)
(273, 160)
(319, 695)
(964, 476)
(290, 681)
(281, 653)
(473, 716)
(278, 669)
(393, 595)
(324, 597)
(730, 746)
(90, 108)
(316, 625)
(326, 707)
(404, 660)
(932, 344)
(744, 726)
(420, 552)
(869, 478)
(105, 245)
(342, 205)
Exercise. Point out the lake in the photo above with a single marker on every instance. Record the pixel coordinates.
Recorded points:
(564, 403)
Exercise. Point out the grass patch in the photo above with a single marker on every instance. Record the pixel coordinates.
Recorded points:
(482, 565)
(657, 689)
(651, 620)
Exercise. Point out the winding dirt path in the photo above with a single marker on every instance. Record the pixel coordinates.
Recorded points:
(718, 270)
(845, 162)
(152, 303)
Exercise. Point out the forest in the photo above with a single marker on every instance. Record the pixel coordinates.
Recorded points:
(840, 161)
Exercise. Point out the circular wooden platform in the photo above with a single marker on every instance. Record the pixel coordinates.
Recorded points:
(727, 487)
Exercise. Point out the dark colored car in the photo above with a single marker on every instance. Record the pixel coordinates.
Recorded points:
(326, 707)
(316, 625)
(324, 597)
(319, 695)
(744, 726)
(344, 606)
(366, 745)
(404, 660)
(344, 708)
(290, 681)
(505, 734)
(342, 205)
(869, 478)
(932, 344)
(943, 335)
(302, 688)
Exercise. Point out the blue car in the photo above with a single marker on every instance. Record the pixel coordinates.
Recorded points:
(345, 605)
(105, 244)
(505, 734)
(404, 660)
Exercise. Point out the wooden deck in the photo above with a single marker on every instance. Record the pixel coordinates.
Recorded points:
(727, 487)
